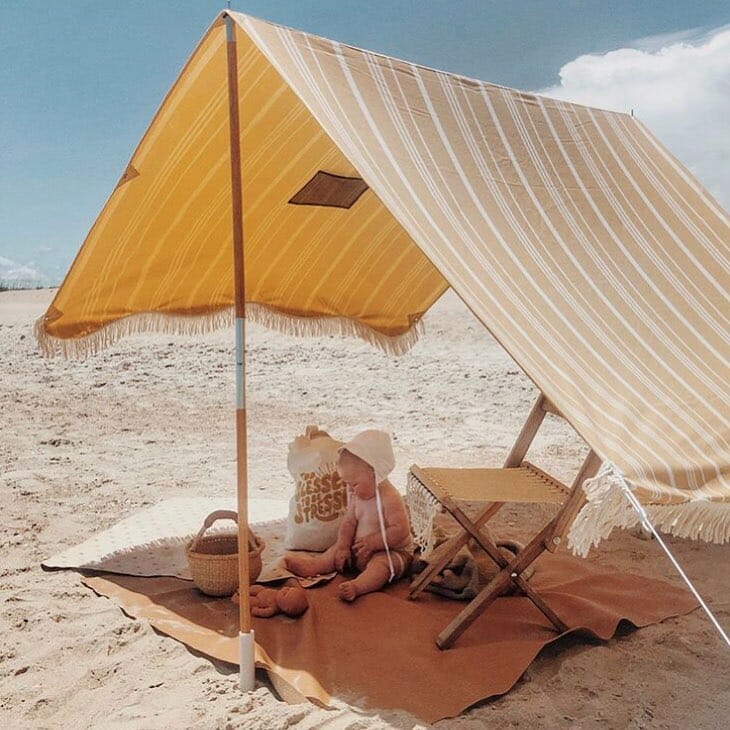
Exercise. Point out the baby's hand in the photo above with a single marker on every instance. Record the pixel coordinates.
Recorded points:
(342, 558)
(366, 545)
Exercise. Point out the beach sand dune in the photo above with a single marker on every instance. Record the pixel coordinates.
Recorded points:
(85, 444)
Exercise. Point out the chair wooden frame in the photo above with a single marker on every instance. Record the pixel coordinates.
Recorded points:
(510, 573)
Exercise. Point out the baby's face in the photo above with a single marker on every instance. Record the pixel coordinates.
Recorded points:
(358, 476)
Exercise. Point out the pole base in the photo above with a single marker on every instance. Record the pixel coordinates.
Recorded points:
(247, 667)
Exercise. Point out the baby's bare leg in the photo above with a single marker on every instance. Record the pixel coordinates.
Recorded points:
(306, 566)
(373, 578)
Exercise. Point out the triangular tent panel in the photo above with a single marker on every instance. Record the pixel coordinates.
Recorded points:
(372, 184)
(161, 248)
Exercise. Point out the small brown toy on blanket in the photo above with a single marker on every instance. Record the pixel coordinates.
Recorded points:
(265, 602)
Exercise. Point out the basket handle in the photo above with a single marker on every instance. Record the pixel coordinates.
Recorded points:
(219, 514)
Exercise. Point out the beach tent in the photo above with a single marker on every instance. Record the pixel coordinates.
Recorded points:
(365, 186)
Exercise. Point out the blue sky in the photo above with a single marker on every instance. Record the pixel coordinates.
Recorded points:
(81, 79)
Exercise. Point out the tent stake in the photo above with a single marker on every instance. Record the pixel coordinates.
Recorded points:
(246, 634)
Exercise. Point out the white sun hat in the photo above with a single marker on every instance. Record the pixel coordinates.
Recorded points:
(375, 448)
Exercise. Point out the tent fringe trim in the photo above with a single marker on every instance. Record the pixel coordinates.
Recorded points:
(327, 326)
(608, 507)
(80, 348)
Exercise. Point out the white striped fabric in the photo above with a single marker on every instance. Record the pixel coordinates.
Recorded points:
(588, 251)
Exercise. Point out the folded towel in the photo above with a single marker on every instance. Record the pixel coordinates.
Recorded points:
(459, 580)
(468, 571)
(487, 567)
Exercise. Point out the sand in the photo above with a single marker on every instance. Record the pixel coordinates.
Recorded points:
(86, 444)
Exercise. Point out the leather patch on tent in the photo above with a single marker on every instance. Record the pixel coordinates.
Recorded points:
(330, 190)
(129, 173)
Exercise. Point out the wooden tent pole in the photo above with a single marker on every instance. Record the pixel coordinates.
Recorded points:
(246, 634)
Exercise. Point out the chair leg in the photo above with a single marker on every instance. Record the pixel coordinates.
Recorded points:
(455, 544)
(497, 586)
(493, 551)
(461, 623)
(446, 553)
(473, 530)
(537, 599)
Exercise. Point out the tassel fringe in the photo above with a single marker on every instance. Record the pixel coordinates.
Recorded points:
(324, 326)
(423, 508)
(79, 348)
(608, 506)
(150, 322)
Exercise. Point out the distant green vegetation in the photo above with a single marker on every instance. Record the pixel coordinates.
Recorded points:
(18, 286)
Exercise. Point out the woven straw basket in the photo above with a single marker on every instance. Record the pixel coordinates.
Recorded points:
(213, 559)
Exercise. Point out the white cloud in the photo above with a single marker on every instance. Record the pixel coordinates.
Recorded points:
(677, 84)
(11, 272)
(654, 43)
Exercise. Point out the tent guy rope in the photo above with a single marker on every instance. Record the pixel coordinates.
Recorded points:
(649, 526)
(646, 523)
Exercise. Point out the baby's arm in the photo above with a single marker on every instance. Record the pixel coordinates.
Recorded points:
(396, 517)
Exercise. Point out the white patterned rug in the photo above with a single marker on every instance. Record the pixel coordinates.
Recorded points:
(152, 542)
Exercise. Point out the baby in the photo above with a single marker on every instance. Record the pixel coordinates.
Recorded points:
(375, 535)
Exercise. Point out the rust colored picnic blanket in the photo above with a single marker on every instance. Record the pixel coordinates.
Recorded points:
(379, 652)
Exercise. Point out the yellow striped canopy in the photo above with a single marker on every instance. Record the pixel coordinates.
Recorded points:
(370, 185)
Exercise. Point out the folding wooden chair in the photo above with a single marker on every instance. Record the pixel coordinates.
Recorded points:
(517, 481)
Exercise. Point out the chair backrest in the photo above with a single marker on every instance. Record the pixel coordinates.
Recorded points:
(531, 426)
(587, 469)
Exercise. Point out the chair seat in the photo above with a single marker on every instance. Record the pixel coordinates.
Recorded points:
(524, 483)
